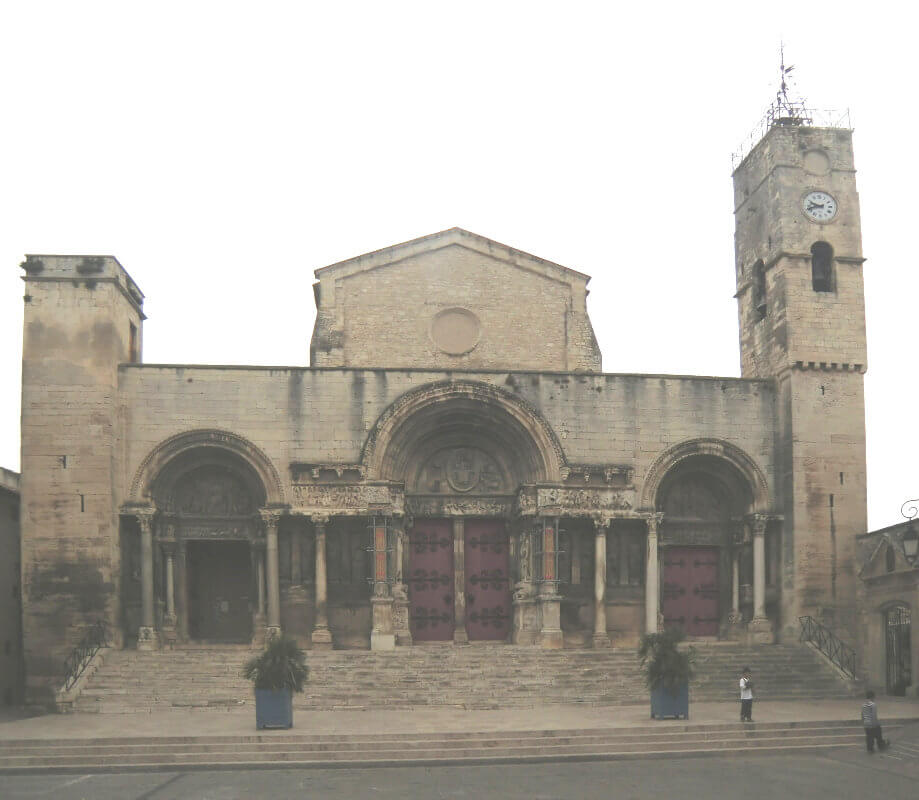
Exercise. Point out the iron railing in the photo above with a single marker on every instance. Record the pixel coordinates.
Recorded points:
(829, 644)
(74, 665)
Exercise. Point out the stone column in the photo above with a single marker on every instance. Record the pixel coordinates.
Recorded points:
(257, 559)
(459, 583)
(601, 637)
(381, 631)
(400, 609)
(735, 586)
(182, 588)
(147, 637)
(760, 626)
(271, 520)
(550, 606)
(524, 599)
(652, 575)
(322, 635)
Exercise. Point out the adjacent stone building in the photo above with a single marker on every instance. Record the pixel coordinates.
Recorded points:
(11, 671)
(455, 465)
(888, 601)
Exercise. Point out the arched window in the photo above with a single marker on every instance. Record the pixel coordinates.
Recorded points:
(890, 559)
(822, 267)
(759, 290)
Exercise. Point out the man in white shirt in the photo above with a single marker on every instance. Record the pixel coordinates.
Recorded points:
(746, 695)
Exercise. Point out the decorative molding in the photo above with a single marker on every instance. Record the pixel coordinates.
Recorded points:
(161, 455)
(587, 502)
(347, 499)
(407, 405)
(671, 457)
(460, 506)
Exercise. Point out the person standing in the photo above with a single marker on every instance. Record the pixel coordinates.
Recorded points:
(872, 726)
(746, 695)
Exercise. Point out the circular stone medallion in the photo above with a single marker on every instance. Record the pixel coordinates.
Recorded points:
(455, 331)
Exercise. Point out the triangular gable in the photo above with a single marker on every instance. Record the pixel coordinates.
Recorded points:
(876, 565)
(452, 236)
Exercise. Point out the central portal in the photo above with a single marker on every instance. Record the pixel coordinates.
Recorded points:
(219, 585)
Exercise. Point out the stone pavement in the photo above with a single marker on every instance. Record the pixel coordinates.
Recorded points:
(241, 721)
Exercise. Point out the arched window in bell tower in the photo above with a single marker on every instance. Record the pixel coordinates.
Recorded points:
(822, 267)
(759, 290)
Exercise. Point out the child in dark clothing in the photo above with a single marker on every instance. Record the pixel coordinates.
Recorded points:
(872, 726)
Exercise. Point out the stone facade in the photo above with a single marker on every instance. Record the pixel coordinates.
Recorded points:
(454, 465)
(11, 668)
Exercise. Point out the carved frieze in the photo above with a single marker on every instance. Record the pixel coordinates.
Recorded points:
(574, 501)
(453, 506)
(354, 499)
(240, 530)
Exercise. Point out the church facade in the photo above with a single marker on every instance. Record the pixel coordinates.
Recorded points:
(455, 465)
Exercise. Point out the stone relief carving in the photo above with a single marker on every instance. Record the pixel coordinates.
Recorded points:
(461, 469)
(460, 506)
(533, 500)
(355, 498)
(215, 495)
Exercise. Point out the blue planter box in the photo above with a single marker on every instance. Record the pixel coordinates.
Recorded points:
(274, 708)
(667, 704)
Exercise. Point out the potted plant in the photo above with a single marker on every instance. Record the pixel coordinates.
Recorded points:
(277, 672)
(667, 671)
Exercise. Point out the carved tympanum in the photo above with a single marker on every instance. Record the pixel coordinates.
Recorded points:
(461, 470)
(213, 494)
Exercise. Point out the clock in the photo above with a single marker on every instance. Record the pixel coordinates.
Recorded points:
(819, 206)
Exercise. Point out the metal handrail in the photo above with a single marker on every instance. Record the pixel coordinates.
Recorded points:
(74, 665)
(828, 643)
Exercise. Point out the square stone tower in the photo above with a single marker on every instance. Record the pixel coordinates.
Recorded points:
(83, 317)
(800, 297)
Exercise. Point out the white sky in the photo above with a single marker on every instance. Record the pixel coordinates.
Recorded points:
(222, 151)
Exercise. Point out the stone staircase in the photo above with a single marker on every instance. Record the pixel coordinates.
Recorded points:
(480, 676)
(285, 749)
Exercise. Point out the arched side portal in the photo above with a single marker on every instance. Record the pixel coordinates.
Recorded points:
(200, 498)
(716, 555)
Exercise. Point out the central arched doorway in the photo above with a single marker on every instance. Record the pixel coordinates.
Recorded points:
(462, 451)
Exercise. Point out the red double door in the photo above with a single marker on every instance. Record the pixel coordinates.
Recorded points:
(690, 578)
(431, 580)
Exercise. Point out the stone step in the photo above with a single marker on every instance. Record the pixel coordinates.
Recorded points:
(284, 748)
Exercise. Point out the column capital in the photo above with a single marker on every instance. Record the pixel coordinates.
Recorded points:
(602, 524)
(270, 518)
(653, 521)
(320, 520)
(145, 518)
(758, 523)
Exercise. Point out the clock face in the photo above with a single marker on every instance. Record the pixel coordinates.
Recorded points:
(819, 206)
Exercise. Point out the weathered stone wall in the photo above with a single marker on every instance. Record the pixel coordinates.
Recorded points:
(510, 310)
(77, 329)
(10, 605)
(324, 416)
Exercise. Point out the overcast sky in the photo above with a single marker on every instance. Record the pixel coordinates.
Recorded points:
(223, 151)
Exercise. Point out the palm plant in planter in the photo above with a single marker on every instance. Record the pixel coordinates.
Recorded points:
(277, 672)
(667, 671)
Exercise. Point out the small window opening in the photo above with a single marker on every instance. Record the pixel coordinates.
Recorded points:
(759, 290)
(891, 559)
(132, 345)
(822, 267)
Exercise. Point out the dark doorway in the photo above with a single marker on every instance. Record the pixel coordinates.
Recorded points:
(219, 591)
(899, 666)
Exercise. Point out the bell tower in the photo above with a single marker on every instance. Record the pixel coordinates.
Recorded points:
(800, 298)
